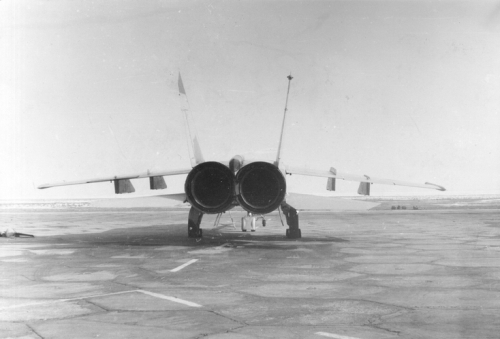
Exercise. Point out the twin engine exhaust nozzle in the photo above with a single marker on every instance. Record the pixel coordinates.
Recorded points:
(258, 187)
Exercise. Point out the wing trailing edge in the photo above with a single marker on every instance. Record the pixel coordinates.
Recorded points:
(122, 185)
(359, 178)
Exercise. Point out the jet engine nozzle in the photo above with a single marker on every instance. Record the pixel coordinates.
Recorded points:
(262, 187)
(209, 187)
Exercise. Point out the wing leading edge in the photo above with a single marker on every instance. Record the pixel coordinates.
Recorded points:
(359, 178)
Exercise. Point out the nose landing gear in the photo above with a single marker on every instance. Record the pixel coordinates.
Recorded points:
(244, 222)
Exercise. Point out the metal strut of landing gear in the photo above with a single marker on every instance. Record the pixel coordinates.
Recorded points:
(194, 221)
(292, 219)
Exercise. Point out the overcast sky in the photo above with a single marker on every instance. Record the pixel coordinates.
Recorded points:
(407, 90)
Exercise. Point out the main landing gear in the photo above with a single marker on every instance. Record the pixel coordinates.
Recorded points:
(291, 214)
(292, 219)
(194, 221)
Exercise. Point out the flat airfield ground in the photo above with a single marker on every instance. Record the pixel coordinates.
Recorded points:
(372, 274)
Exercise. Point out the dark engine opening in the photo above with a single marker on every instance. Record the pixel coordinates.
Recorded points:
(209, 187)
(262, 187)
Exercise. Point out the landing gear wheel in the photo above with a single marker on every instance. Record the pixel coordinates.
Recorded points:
(263, 222)
(195, 233)
(293, 233)
(292, 219)
(252, 225)
(243, 224)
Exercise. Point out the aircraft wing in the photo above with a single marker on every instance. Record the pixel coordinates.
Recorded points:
(359, 178)
(122, 182)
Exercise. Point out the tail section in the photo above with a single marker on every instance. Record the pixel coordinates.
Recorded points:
(280, 146)
(195, 155)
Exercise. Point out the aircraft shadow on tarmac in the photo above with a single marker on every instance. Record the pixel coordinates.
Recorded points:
(175, 235)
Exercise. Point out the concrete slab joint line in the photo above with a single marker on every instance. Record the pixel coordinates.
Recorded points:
(152, 294)
(332, 335)
(33, 330)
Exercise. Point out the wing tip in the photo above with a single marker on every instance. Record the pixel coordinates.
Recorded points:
(438, 187)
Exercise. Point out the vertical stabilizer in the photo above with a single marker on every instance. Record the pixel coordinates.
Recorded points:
(280, 146)
(195, 155)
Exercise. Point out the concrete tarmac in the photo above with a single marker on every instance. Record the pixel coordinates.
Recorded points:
(133, 273)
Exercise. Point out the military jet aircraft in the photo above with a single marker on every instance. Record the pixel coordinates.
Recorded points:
(259, 187)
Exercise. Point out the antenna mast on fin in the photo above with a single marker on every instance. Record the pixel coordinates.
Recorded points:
(278, 157)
